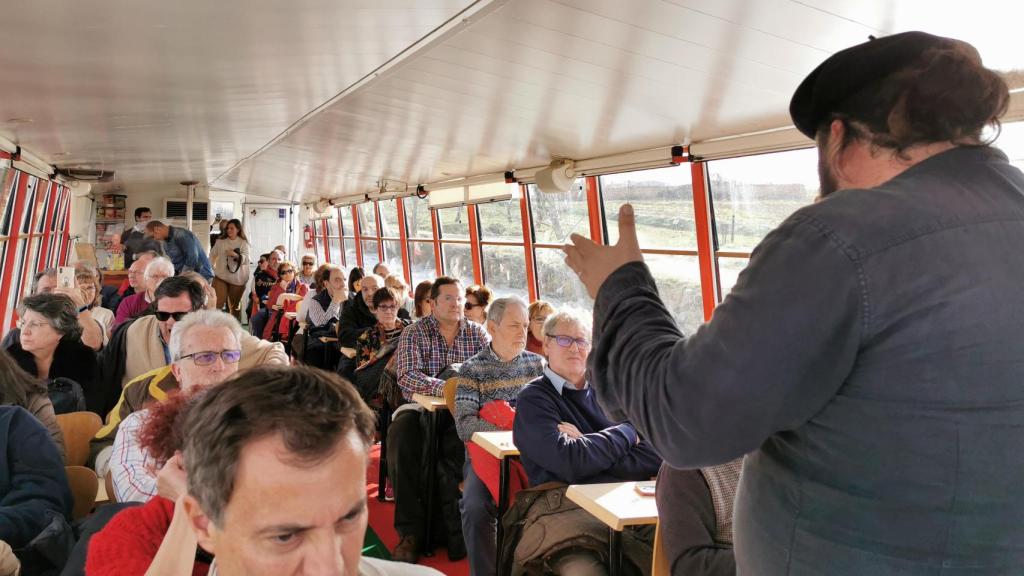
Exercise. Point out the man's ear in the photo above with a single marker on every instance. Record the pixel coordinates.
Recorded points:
(176, 371)
(202, 526)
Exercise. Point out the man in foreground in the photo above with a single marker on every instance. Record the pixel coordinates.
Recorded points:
(279, 487)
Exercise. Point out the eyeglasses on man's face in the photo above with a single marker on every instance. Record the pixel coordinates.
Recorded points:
(567, 341)
(208, 357)
(165, 316)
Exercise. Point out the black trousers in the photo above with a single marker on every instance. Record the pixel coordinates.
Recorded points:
(407, 468)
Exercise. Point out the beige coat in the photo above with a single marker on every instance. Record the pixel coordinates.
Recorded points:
(144, 351)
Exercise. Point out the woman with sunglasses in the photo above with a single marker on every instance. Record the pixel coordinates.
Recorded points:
(49, 347)
(478, 297)
(287, 288)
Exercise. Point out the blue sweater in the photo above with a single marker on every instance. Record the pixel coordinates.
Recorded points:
(186, 252)
(608, 452)
(33, 486)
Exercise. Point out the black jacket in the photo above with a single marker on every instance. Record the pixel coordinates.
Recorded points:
(355, 317)
(72, 360)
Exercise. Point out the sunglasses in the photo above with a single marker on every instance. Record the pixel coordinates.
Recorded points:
(165, 316)
(307, 263)
(288, 271)
(470, 305)
(208, 358)
(567, 341)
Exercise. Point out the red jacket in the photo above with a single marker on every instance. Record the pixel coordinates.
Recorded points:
(128, 543)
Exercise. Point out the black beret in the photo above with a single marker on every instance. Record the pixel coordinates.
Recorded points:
(848, 71)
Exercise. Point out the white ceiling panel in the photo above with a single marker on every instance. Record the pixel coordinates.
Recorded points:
(324, 97)
(166, 91)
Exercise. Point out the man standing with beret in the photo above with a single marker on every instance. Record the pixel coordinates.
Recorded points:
(869, 361)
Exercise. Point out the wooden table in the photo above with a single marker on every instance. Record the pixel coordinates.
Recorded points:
(618, 505)
(434, 405)
(501, 446)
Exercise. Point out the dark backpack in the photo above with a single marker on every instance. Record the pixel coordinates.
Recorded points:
(66, 395)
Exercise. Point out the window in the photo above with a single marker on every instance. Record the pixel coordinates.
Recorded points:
(505, 270)
(370, 256)
(393, 256)
(347, 227)
(417, 218)
(422, 261)
(501, 221)
(350, 252)
(333, 249)
(556, 216)
(458, 262)
(388, 218)
(1011, 141)
(558, 283)
(8, 182)
(754, 194)
(662, 201)
(728, 271)
(454, 222)
(678, 281)
(367, 220)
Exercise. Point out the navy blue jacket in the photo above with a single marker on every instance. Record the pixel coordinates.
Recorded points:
(608, 452)
(186, 253)
(33, 485)
(869, 362)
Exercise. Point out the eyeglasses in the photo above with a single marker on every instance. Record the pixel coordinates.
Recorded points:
(207, 358)
(307, 263)
(470, 305)
(566, 341)
(165, 316)
(387, 308)
(288, 271)
(31, 325)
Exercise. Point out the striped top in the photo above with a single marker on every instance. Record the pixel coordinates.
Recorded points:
(485, 378)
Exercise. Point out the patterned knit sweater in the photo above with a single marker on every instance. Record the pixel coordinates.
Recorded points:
(485, 378)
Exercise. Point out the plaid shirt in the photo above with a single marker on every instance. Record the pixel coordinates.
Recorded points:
(423, 353)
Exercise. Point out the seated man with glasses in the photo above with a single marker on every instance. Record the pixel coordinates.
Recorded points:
(139, 357)
(564, 436)
(206, 348)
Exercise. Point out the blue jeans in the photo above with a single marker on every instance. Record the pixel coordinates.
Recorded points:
(479, 523)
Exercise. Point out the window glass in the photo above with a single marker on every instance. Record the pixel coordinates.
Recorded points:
(393, 256)
(558, 283)
(3, 260)
(662, 201)
(728, 271)
(423, 262)
(458, 262)
(18, 268)
(332, 227)
(334, 250)
(678, 280)
(417, 217)
(1011, 141)
(59, 204)
(23, 271)
(454, 223)
(350, 253)
(347, 228)
(556, 216)
(7, 181)
(30, 202)
(502, 221)
(370, 256)
(388, 218)
(505, 270)
(754, 194)
(367, 219)
(43, 196)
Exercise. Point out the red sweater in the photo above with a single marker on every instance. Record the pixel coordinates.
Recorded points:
(128, 543)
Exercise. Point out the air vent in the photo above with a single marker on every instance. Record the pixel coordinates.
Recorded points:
(176, 209)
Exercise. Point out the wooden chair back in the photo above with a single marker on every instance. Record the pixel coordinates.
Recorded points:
(84, 484)
(451, 385)
(659, 566)
(78, 429)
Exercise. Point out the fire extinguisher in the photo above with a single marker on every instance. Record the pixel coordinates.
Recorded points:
(307, 236)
